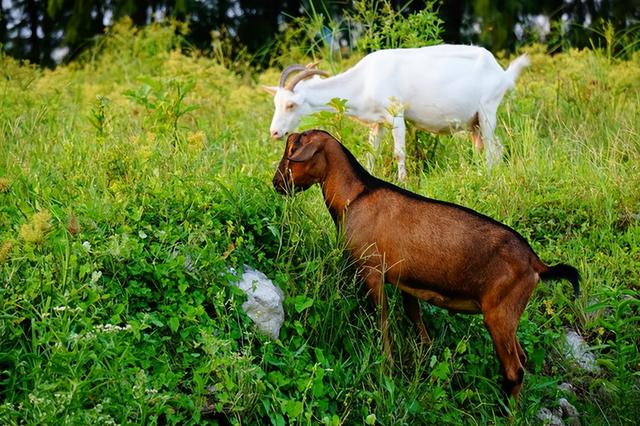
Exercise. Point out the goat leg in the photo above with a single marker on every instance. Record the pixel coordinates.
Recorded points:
(412, 307)
(374, 281)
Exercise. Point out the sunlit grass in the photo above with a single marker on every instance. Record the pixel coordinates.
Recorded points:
(131, 182)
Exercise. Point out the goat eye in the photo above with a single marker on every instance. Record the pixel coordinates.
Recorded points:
(290, 106)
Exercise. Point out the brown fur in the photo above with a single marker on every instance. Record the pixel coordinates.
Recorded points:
(443, 253)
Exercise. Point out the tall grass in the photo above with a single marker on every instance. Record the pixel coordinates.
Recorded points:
(132, 181)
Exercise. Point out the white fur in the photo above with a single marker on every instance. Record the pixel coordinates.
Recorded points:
(438, 88)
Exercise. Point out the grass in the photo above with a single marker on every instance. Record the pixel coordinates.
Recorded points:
(130, 183)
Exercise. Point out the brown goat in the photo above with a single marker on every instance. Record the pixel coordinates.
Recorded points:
(448, 255)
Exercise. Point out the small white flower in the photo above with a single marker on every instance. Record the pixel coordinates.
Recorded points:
(110, 328)
(95, 276)
(86, 246)
(35, 400)
(60, 308)
(142, 234)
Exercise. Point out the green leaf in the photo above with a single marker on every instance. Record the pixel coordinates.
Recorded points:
(174, 323)
(441, 372)
(301, 303)
(433, 361)
(189, 108)
(278, 420)
(608, 364)
(292, 408)
(596, 307)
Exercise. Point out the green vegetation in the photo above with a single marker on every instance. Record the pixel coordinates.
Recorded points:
(131, 181)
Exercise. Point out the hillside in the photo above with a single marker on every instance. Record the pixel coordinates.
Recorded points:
(132, 180)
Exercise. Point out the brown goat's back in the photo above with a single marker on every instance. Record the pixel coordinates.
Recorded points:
(449, 248)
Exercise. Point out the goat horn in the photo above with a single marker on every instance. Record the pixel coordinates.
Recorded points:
(288, 70)
(312, 65)
(303, 76)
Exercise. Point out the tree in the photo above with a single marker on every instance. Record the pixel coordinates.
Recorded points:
(33, 29)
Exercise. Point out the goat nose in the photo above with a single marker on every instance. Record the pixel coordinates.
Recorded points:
(275, 134)
(278, 184)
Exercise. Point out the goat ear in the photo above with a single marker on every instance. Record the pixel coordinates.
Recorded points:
(269, 89)
(305, 153)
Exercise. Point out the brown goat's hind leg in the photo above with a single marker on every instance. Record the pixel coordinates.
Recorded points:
(502, 328)
(412, 307)
(375, 284)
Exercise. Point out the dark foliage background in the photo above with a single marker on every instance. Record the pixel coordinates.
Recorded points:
(34, 29)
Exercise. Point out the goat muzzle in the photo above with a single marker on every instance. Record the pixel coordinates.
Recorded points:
(279, 186)
(280, 183)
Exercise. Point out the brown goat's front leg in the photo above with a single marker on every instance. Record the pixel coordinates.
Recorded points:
(412, 307)
(374, 280)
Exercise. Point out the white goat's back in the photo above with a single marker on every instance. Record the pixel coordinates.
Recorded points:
(441, 87)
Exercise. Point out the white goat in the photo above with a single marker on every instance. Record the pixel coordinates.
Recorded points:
(441, 89)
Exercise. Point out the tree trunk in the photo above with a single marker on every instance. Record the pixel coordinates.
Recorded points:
(452, 12)
(34, 42)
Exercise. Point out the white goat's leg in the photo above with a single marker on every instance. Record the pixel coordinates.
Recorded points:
(375, 136)
(398, 131)
(492, 144)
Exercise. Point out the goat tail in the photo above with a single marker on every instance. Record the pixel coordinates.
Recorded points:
(565, 271)
(515, 68)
